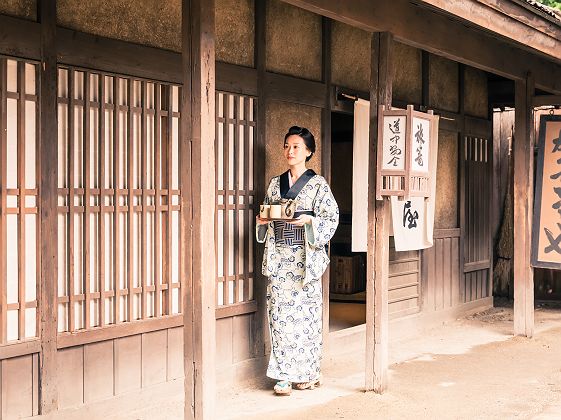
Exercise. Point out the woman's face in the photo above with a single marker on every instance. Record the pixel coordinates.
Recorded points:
(295, 150)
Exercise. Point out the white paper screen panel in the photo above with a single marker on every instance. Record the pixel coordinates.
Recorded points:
(235, 195)
(19, 227)
(119, 196)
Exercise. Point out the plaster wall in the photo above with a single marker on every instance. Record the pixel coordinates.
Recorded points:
(280, 117)
(350, 57)
(26, 9)
(235, 31)
(443, 84)
(476, 93)
(446, 210)
(147, 22)
(407, 74)
(293, 38)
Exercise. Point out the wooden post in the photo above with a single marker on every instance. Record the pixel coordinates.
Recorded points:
(48, 157)
(326, 156)
(523, 195)
(378, 225)
(259, 324)
(198, 125)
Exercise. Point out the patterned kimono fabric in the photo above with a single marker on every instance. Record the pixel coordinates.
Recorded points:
(294, 260)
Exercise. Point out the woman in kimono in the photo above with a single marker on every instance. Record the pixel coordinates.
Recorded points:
(295, 258)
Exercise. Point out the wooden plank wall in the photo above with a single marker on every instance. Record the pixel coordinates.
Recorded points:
(19, 387)
(441, 271)
(404, 286)
(477, 161)
(96, 371)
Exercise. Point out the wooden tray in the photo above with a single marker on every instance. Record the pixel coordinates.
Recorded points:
(269, 219)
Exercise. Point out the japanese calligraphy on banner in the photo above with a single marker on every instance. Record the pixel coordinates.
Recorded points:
(413, 219)
(421, 145)
(546, 232)
(405, 140)
(394, 147)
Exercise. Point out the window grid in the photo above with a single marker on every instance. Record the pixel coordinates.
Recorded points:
(119, 199)
(235, 195)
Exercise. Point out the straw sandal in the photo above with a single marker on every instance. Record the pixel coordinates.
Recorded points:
(283, 388)
(308, 385)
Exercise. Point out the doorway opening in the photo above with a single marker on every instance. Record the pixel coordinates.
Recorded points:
(347, 272)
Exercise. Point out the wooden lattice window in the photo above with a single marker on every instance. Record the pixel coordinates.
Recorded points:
(119, 199)
(19, 200)
(235, 195)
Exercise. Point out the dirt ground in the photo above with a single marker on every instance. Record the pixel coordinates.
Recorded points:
(471, 368)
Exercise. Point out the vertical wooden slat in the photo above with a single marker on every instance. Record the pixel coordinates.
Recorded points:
(226, 185)
(447, 273)
(87, 194)
(235, 251)
(455, 270)
(247, 193)
(48, 146)
(21, 199)
(37, 200)
(165, 139)
(102, 192)
(157, 200)
(130, 198)
(3, 199)
(71, 192)
(116, 206)
(218, 164)
(144, 216)
(491, 213)
(170, 232)
(182, 172)
(462, 207)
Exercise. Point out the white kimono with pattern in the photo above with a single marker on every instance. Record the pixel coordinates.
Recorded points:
(294, 292)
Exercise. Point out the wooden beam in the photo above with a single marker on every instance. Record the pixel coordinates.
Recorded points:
(545, 100)
(523, 197)
(113, 331)
(20, 38)
(291, 89)
(200, 325)
(436, 33)
(377, 324)
(236, 79)
(48, 155)
(507, 19)
(114, 56)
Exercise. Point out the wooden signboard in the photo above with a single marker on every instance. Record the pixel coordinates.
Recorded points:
(546, 232)
(404, 156)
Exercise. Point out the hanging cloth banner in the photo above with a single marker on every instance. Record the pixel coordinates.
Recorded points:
(413, 219)
(360, 176)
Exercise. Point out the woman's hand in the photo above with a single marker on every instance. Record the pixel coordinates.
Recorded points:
(260, 221)
(303, 219)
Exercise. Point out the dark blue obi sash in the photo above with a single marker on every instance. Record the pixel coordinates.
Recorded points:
(286, 233)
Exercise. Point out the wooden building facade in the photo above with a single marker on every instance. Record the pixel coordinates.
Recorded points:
(137, 139)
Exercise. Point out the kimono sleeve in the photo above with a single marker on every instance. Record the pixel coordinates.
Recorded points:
(325, 220)
(261, 230)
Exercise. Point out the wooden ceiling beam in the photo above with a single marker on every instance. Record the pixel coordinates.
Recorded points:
(507, 19)
(431, 31)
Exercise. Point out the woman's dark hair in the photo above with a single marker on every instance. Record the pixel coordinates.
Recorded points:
(305, 135)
